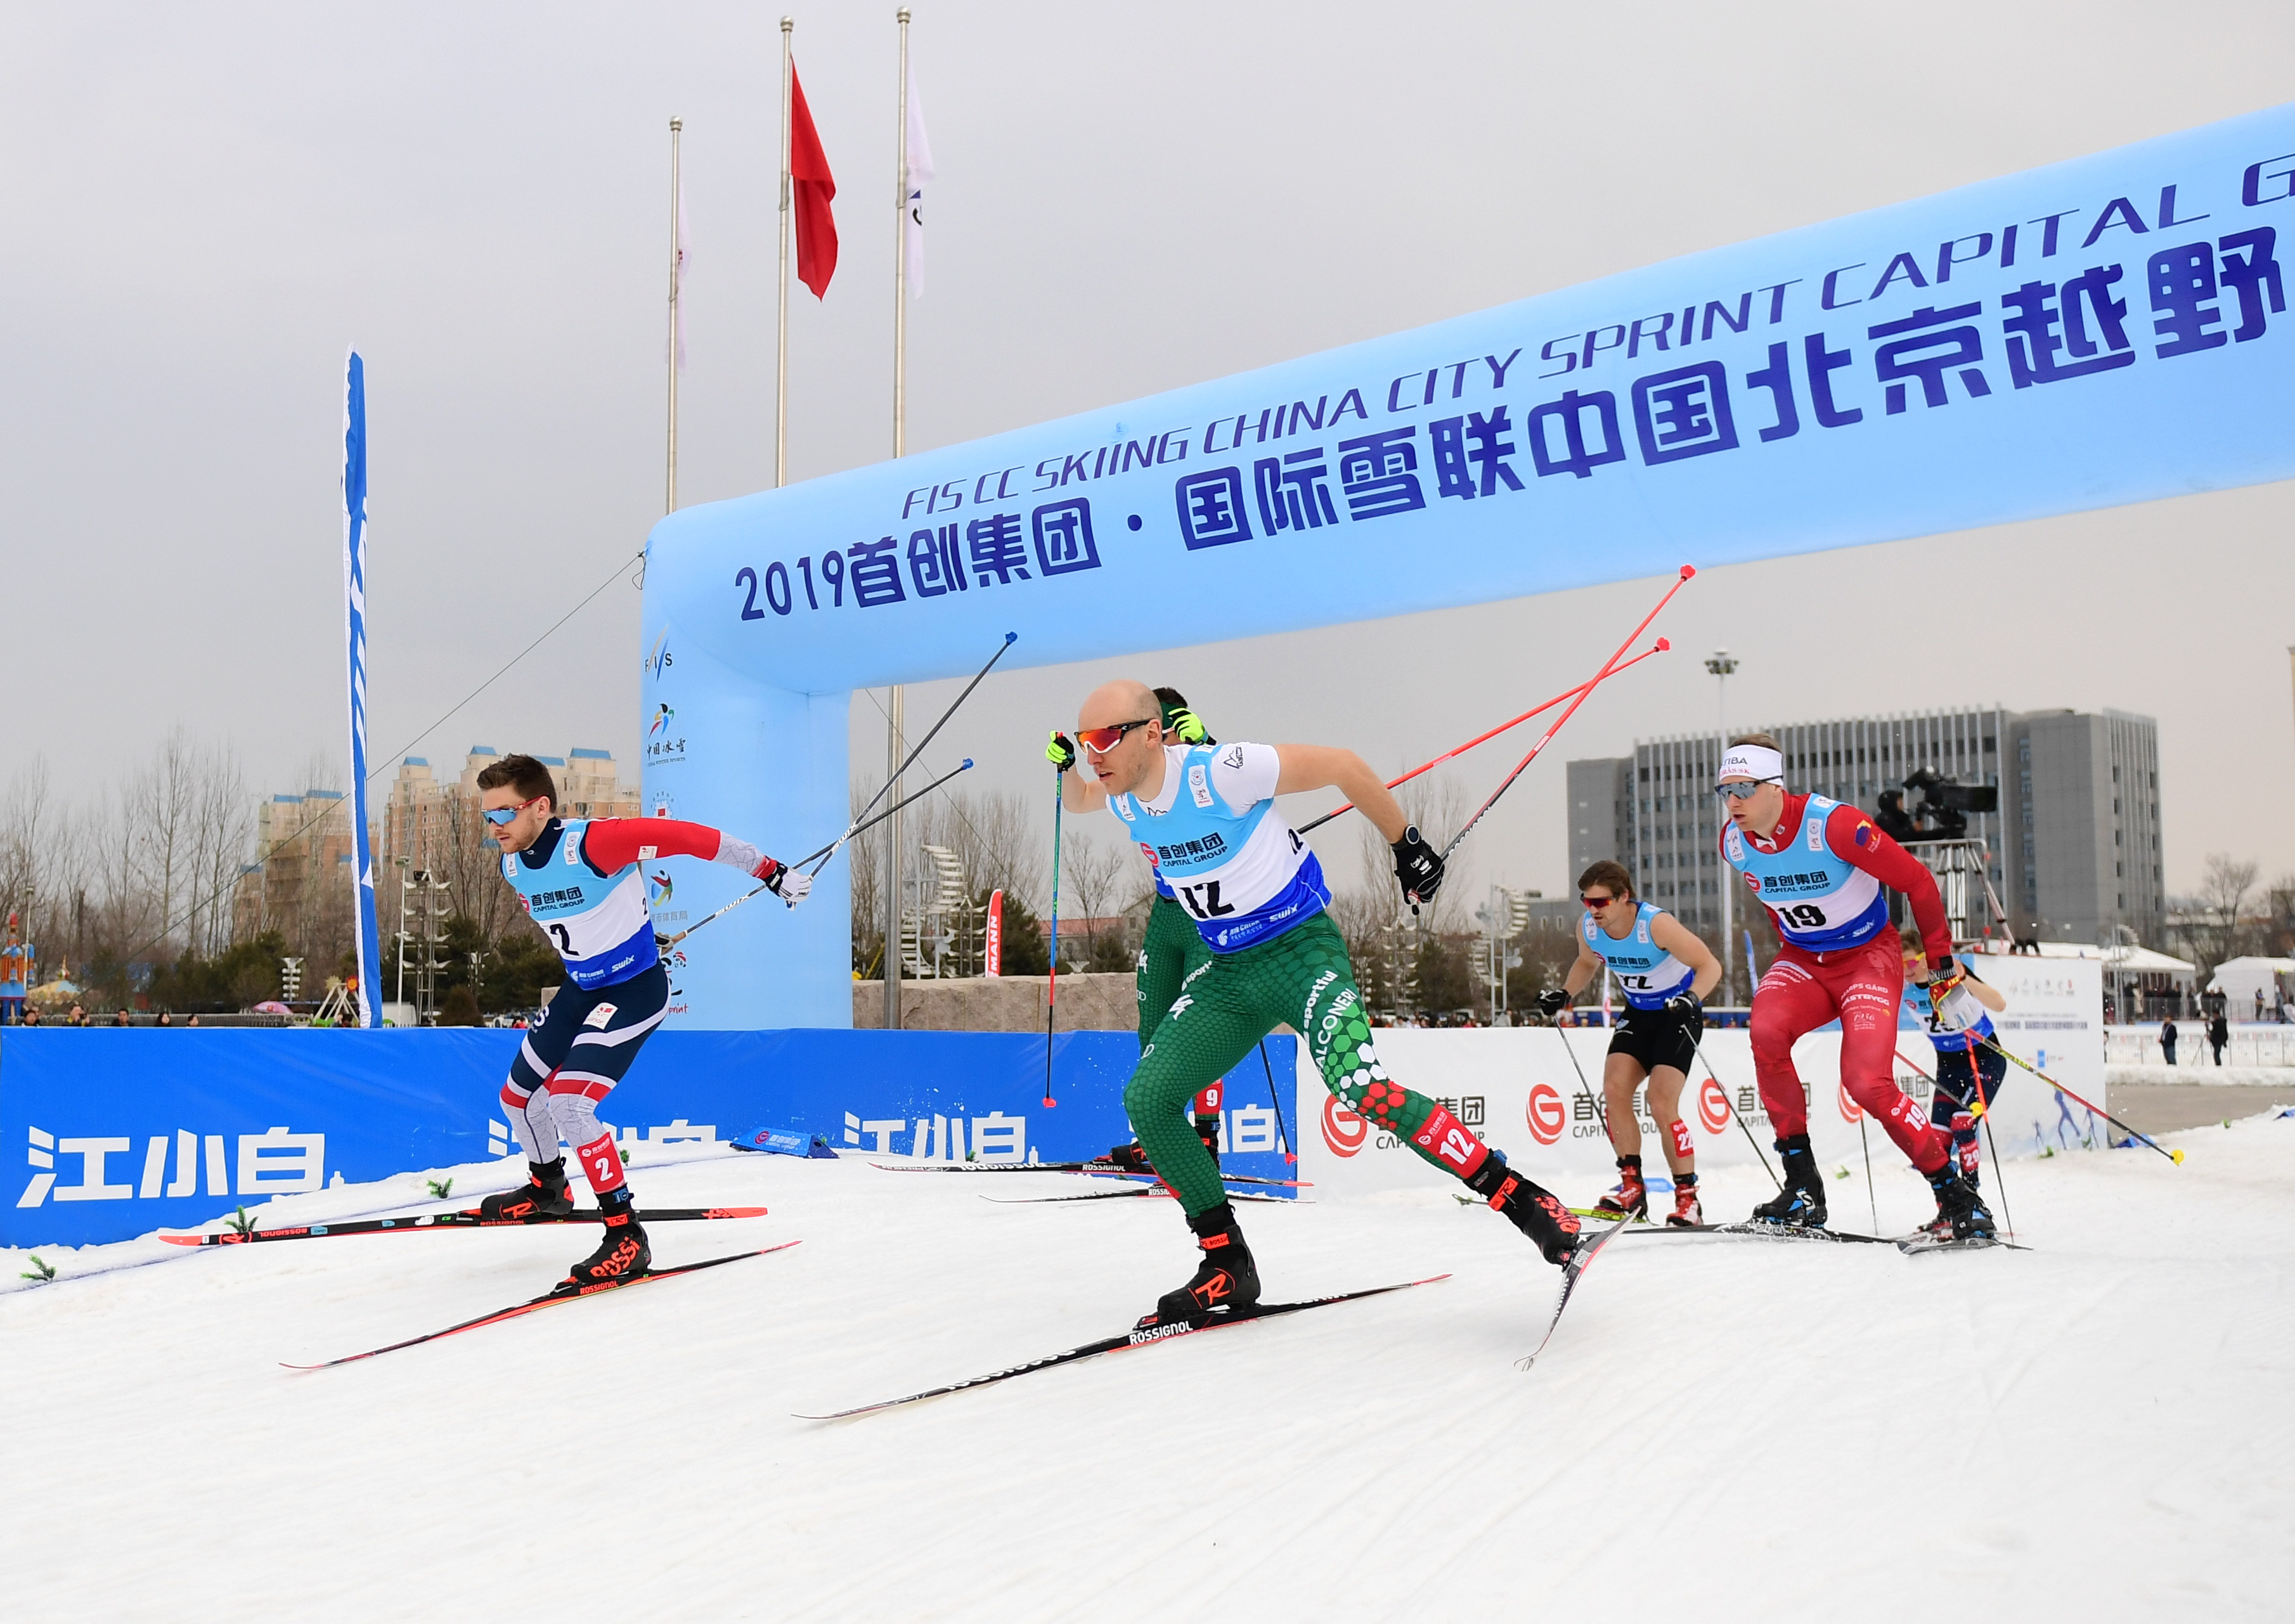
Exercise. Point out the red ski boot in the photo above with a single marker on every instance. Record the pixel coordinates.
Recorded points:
(1630, 1199)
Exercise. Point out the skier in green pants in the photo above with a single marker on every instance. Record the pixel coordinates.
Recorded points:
(1170, 947)
(1203, 814)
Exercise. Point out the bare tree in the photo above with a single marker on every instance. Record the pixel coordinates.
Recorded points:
(2223, 891)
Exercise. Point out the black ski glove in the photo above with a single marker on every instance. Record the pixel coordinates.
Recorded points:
(1418, 866)
(1552, 1002)
(1061, 752)
(1685, 1002)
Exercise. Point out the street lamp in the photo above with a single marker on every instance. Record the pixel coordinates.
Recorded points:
(1720, 663)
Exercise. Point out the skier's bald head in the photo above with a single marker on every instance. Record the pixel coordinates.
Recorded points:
(1112, 703)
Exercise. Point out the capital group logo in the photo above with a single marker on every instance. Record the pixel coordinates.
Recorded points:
(1850, 1111)
(1342, 1131)
(1712, 1105)
(1544, 1112)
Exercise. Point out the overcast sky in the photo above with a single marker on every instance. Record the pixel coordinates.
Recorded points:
(203, 206)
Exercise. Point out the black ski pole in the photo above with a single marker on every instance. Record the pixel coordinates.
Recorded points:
(825, 851)
(1010, 639)
(1600, 1114)
(1290, 1155)
(1872, 1200)
(1740, 1117)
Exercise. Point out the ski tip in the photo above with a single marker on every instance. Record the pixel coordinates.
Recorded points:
(185, 1240)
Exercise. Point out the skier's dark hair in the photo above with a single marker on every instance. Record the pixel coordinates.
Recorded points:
(1611, 874)
(522, 773)
(1768, 742)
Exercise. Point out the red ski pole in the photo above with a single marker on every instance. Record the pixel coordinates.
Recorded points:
(1609, 667)
(1660, 647)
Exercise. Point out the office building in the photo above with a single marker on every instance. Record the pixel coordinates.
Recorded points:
(2071, 852)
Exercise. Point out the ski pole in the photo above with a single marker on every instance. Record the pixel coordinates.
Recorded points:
(1982, 1109)
(1740, 1116)
(1609, 667)
(2176, 1156)
(830, 848)
(1052, 982)
(1660, 647)
(1600, 1114)
(1872, 1200)
(1290, 1155)
(1010, 639)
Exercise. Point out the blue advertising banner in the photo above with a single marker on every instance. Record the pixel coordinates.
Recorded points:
(127, 1131)
(2112, 329)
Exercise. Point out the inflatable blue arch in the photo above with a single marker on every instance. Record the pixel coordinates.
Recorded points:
(2110, 329)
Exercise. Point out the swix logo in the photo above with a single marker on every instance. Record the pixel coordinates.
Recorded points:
(1343, 1131)
(1544, 1112)
(1850, 1111)
(1714, 1105)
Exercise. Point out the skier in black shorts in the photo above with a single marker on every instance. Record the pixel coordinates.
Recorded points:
(1666, 972)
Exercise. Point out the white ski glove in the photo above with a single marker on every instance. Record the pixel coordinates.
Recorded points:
(792, 886)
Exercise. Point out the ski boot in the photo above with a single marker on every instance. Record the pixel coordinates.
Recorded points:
(1961, 1213)
(1801, 1202)
(1227, 1277)
(1687, 1213)
(1630, 1199)
(1207, 1129)
(542, 1195)
(1536, 1212)
(624, 1254)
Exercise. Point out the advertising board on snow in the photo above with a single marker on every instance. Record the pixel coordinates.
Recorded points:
(1517, 1088)
(125, 1132)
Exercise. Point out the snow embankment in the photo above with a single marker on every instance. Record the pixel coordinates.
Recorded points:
(2097, 1428)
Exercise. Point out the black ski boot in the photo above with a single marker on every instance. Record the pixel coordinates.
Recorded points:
(542, 1195)
(1536, 1212)
(1207, 1129)
(1801, 1202)
(624, 1254)
(1227, 1277)
(1961, 1213)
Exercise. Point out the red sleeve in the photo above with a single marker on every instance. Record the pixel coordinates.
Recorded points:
(614, 843)
(1854, 837)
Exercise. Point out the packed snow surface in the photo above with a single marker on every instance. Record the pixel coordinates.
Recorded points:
(2100, 1427)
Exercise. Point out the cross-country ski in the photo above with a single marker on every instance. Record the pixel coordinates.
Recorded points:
(1143, 1335)
(1460, 636)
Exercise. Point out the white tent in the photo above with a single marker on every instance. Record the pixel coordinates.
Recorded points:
(2239, 980)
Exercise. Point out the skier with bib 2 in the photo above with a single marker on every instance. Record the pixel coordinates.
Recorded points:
(1665, 972)
(1968, 1068)
(1824, 870)
(1205, 816)
(580, 880)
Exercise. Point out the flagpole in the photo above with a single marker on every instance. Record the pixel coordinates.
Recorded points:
(675, 247)
(781, 346)
(893, 749)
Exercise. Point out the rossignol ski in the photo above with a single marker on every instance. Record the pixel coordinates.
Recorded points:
(1139, 1336)
(1571, 1271)
(1102, 1170)
(547, 1299)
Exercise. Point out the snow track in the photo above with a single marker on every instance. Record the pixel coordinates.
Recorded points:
(1739, 1430)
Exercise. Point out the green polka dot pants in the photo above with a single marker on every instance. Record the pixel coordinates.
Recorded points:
(1225, 1006)
(1173, 947)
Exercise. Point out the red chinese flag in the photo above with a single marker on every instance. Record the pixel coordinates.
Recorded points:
(816, 189)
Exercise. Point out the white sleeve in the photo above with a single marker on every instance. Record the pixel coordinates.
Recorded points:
(1245, 774)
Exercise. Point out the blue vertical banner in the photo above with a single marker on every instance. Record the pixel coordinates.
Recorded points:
(369, 945)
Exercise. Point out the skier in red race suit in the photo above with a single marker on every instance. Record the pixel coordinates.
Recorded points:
(1823, 871)
(582, 882)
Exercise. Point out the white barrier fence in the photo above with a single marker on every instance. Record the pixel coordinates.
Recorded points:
(1517, 1090)
(2249, 1046)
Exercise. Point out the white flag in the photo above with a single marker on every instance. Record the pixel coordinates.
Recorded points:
(920, 172)
(683, 264)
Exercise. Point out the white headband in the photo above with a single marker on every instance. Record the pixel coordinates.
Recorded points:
(1752, 762)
